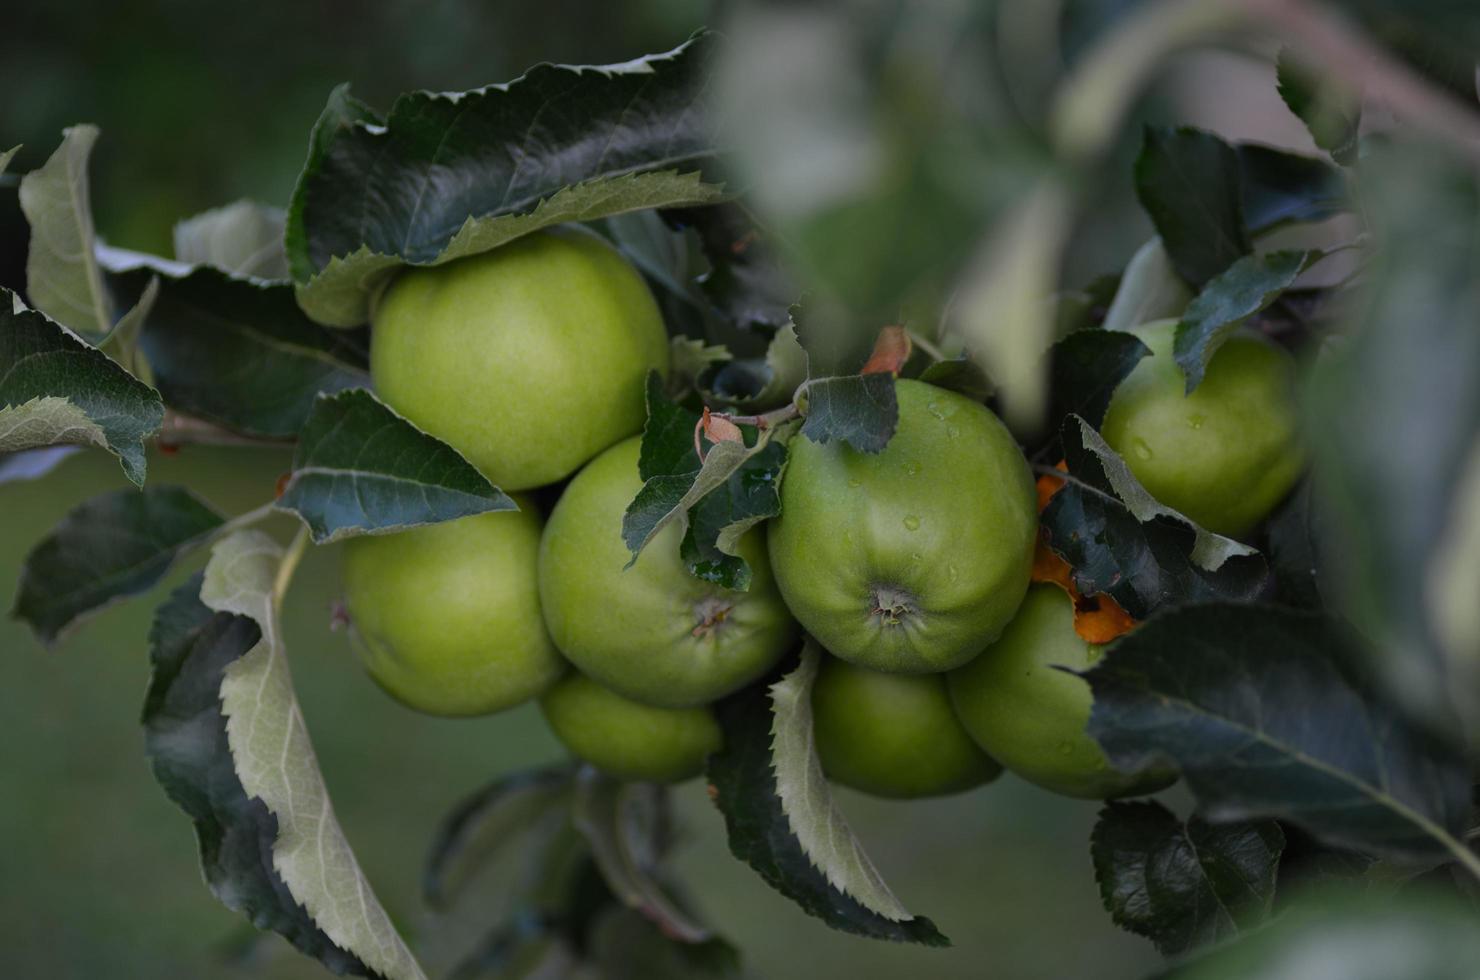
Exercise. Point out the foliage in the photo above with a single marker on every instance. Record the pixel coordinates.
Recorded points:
(822, 204)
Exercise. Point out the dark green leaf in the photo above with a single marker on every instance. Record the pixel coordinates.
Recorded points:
(744, 789)
(746, 283)
(1332, 114)
(1259, 708)
(626, 945)
(1295, 551)
(1281, 187)
(1189, 183)
(115, 545)
(1227, 301)
(667, 436)
(1119, 540)
(1183, 885)
(1084, 370)
(185, 738)
(1394, 416)
(1336, 935)
(1307, 862)
(446, 176)
(860, 410)
(54, 388)
(362, 469)
(613, 816)
(483, 823)
(241, 353)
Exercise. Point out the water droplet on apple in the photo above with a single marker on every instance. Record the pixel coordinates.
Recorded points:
(1066, 748)
(912, 468)
(953, 432)
(934, 409)
(1141, 450)
(1195, 421)
(912, 523)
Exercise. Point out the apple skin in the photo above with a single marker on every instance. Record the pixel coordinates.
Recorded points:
(447, 617)
(893, 735)
(628, 739)
(910, 560)
(1224, 455)
(1031, 717)
(529, 359)
(641, 631)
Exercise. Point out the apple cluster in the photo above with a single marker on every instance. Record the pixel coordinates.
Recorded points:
(911, 567)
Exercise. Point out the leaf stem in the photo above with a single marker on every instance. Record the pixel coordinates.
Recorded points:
(182, 430)
(289, 565)
(254, 516)
(926, 346)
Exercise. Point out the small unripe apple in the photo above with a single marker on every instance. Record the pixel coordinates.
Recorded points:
(911, 559)
(893, 735)
(447, 617)
(1030, 716)
(1224, 455)
(529, 359)
(628, 739)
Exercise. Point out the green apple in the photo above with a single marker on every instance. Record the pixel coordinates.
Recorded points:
(1224, 455)
(529, 359)
(913, 559)
(893, 735)
(1030, 716)
(447, 617)
(652, 632)
(628, 739)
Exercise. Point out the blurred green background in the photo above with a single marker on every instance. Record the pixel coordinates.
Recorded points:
(201, 104)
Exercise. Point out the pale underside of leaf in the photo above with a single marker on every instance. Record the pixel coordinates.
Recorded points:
(276, 763)
(47, 421)
(343, 293)
(1209, 550)
(1149, 290)
(5, 158)
(244, 238)
(806, 797)
(62, 275)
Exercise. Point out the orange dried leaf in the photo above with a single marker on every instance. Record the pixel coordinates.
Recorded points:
(1047, 486)
(1097, 618)
(719, 429)
(891, 350)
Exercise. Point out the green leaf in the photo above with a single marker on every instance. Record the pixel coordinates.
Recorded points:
(63, 279)
(756, 385)
(746, 282)
(241, 353)
(860, 410)
(748, 496)
(1149, 290)
(1331, 113)
(274, 760)
(447, 176)
(716, 501)
(1120, 540)
(56, 389)
(485, 822)
(6, 156)
(806, 797)
(1228, 300)
(1085, 369)
(1183, 885)
(745, 787)
(1281, 187)
(113, 546)
(1189, 182)
(1354, 937)
(612, 816)
(1394, 416)
(1260, 710)
(243, 238)
(1296, 551)
(362, 469)
(185, 737)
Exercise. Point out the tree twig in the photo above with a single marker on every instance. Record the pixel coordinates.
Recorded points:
(184, 430)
